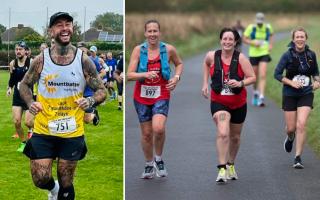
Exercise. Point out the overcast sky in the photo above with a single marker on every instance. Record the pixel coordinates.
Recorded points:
(33, 13)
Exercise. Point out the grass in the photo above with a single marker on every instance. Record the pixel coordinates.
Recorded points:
(98, 177)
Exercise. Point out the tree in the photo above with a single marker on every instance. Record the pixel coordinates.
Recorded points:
(2, 28)
(34, 37)
(109, 21)
(76, 37)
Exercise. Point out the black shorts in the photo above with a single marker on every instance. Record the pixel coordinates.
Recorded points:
(41, 146)
(111, 79)
(17, 101)
(291, 103)
(256, 60)
(120, 88)
(238, 115)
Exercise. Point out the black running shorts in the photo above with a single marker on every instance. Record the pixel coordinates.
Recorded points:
(291, 103)
(41, 146)
(120, 88)
(17, 101)
(256, 60)
(238, 115)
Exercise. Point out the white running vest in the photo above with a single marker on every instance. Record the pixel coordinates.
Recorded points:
(59, 87)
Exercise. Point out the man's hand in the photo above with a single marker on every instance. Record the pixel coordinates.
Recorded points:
(85, 103)
(9, 91)
(35, 108)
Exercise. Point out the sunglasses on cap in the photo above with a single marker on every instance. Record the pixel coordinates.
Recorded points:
(22, 44)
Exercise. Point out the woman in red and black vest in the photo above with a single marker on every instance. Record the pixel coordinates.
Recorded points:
(230, 71)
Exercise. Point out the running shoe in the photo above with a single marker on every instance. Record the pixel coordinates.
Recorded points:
(148, 172)
(231, 173)
(53, 195)
(15, 136)
(161, 170)
(21, 147)
(298, 163)
(255, 100)
(222, 176)
(261, 102)
(288, 143)
(96, 118)
(120, 108)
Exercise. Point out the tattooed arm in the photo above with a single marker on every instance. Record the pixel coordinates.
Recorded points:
(27, 82)
(93, 80)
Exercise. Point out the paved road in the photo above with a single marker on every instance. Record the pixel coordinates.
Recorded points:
(264, 169)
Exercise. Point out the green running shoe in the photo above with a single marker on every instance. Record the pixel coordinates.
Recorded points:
(21, 147)
(231, 173)
(222, 176)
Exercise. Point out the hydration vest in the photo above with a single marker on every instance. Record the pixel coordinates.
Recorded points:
(294, 63)
(254, 31)
(19, 72)
(143, 63)
(217, 77)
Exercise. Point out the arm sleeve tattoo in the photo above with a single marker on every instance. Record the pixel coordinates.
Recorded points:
(29, 79)
(93, 80)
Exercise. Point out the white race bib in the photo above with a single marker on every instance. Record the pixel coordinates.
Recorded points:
(63, 125)
(304, 80)
(151, 92)
(226, 90)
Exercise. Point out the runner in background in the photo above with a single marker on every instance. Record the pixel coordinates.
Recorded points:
(18, 68)
(259, 37)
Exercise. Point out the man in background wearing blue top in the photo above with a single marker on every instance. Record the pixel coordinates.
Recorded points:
(112, 64)
(92, 112)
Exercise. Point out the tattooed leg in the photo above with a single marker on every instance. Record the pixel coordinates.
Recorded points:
(222, 120)
(66, 171)
(41, 173)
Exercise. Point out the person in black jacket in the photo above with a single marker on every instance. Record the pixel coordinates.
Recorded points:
(301, 78)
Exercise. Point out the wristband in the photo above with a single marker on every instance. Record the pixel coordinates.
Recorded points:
(241, 83)
(91, 101)
(177, 76)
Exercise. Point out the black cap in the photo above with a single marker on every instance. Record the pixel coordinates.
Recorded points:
(59, 15)
(22, 44)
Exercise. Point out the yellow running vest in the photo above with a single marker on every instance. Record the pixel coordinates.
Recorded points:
(59, 87)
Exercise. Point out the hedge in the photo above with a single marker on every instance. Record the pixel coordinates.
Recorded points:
(104, 46)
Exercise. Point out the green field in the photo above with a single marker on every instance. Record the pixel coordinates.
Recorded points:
(98, 177)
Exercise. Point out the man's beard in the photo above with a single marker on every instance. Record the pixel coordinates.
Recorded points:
(58, 40)
(20, 57)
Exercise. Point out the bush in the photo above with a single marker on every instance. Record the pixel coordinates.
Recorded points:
(4, 57)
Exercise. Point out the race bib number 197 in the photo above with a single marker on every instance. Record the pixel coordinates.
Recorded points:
(63, 125)
(150, 91)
